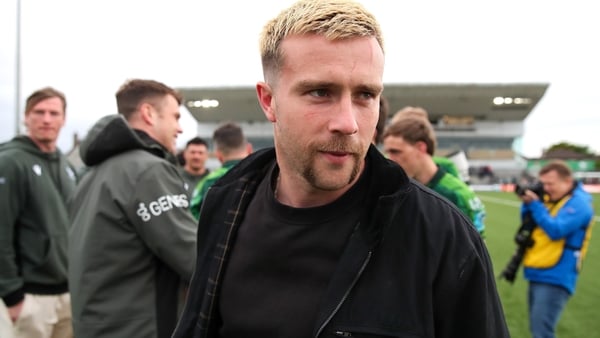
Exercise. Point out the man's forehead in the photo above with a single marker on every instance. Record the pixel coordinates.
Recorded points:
(552, 176)
(197, 147)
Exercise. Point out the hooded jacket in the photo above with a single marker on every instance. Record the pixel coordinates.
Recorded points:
(34, 188)
(132, 237)
(414, 266)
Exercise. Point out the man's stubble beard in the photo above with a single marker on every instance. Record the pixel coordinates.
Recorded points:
(337, 144)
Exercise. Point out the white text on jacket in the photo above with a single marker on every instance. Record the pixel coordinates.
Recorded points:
(162, 204)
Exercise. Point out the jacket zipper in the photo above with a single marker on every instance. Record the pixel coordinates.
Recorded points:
(343, 334)
(339, 305)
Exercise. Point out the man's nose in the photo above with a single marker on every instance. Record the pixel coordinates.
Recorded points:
(47, 117)
(344, 119)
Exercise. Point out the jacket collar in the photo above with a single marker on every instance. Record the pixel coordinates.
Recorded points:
(112, 135)
(388, 181)
(388, 177)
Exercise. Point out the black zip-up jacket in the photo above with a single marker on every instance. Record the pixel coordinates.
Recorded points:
(414, 267)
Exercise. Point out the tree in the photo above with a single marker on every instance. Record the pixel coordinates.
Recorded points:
(566, 149)
(577, 149)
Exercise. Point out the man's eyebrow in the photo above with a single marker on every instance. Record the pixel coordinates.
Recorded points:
(375, 89)
(308, 84)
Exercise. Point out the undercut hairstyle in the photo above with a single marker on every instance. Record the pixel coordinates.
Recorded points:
(333, 19)
(412, 129)
(43, 94)
(561, 168)
(229, 138)
(197, 141)
(137, 91)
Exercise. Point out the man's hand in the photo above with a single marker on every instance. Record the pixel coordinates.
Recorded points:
(15, 311)
(529, 196)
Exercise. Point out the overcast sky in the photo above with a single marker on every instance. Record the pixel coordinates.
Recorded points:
(88, 49)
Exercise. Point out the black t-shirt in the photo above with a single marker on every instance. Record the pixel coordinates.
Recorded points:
(282, 261)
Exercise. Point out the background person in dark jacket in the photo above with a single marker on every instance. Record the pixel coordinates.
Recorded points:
(35, 182)
(132, 238)
(322, 236)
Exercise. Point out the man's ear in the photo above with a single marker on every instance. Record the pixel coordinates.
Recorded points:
(219, 156)
(421, 146)
(265, 99)
(146, 113)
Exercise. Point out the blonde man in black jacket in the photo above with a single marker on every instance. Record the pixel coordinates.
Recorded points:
(322, 236)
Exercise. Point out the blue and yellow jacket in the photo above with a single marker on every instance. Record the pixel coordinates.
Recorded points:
(560, 238)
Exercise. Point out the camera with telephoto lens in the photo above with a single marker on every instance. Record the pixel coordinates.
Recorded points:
(523, 236)
(537, 187)
(523, 240)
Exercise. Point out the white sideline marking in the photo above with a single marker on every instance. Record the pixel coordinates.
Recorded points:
(513, 203)
(500, 201)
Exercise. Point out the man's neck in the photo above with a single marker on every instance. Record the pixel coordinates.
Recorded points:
(427, 172)
(194, 171)
(46, 147)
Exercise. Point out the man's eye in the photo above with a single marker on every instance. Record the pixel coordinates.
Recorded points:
(367, 95)
(319, 93)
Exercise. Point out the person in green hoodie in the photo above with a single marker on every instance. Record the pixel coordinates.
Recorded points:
(410, 141)
(36, 181)
(446, 163)
(231, 147)
(132, 241)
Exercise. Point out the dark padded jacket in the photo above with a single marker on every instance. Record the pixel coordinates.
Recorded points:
(34, 189)
(414, 267)
(133, 239)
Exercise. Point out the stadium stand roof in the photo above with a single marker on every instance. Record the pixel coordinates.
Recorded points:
(493, 102)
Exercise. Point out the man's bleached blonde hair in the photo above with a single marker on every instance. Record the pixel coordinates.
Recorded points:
(334, 19)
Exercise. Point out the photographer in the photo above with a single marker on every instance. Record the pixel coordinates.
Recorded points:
(562, 214)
